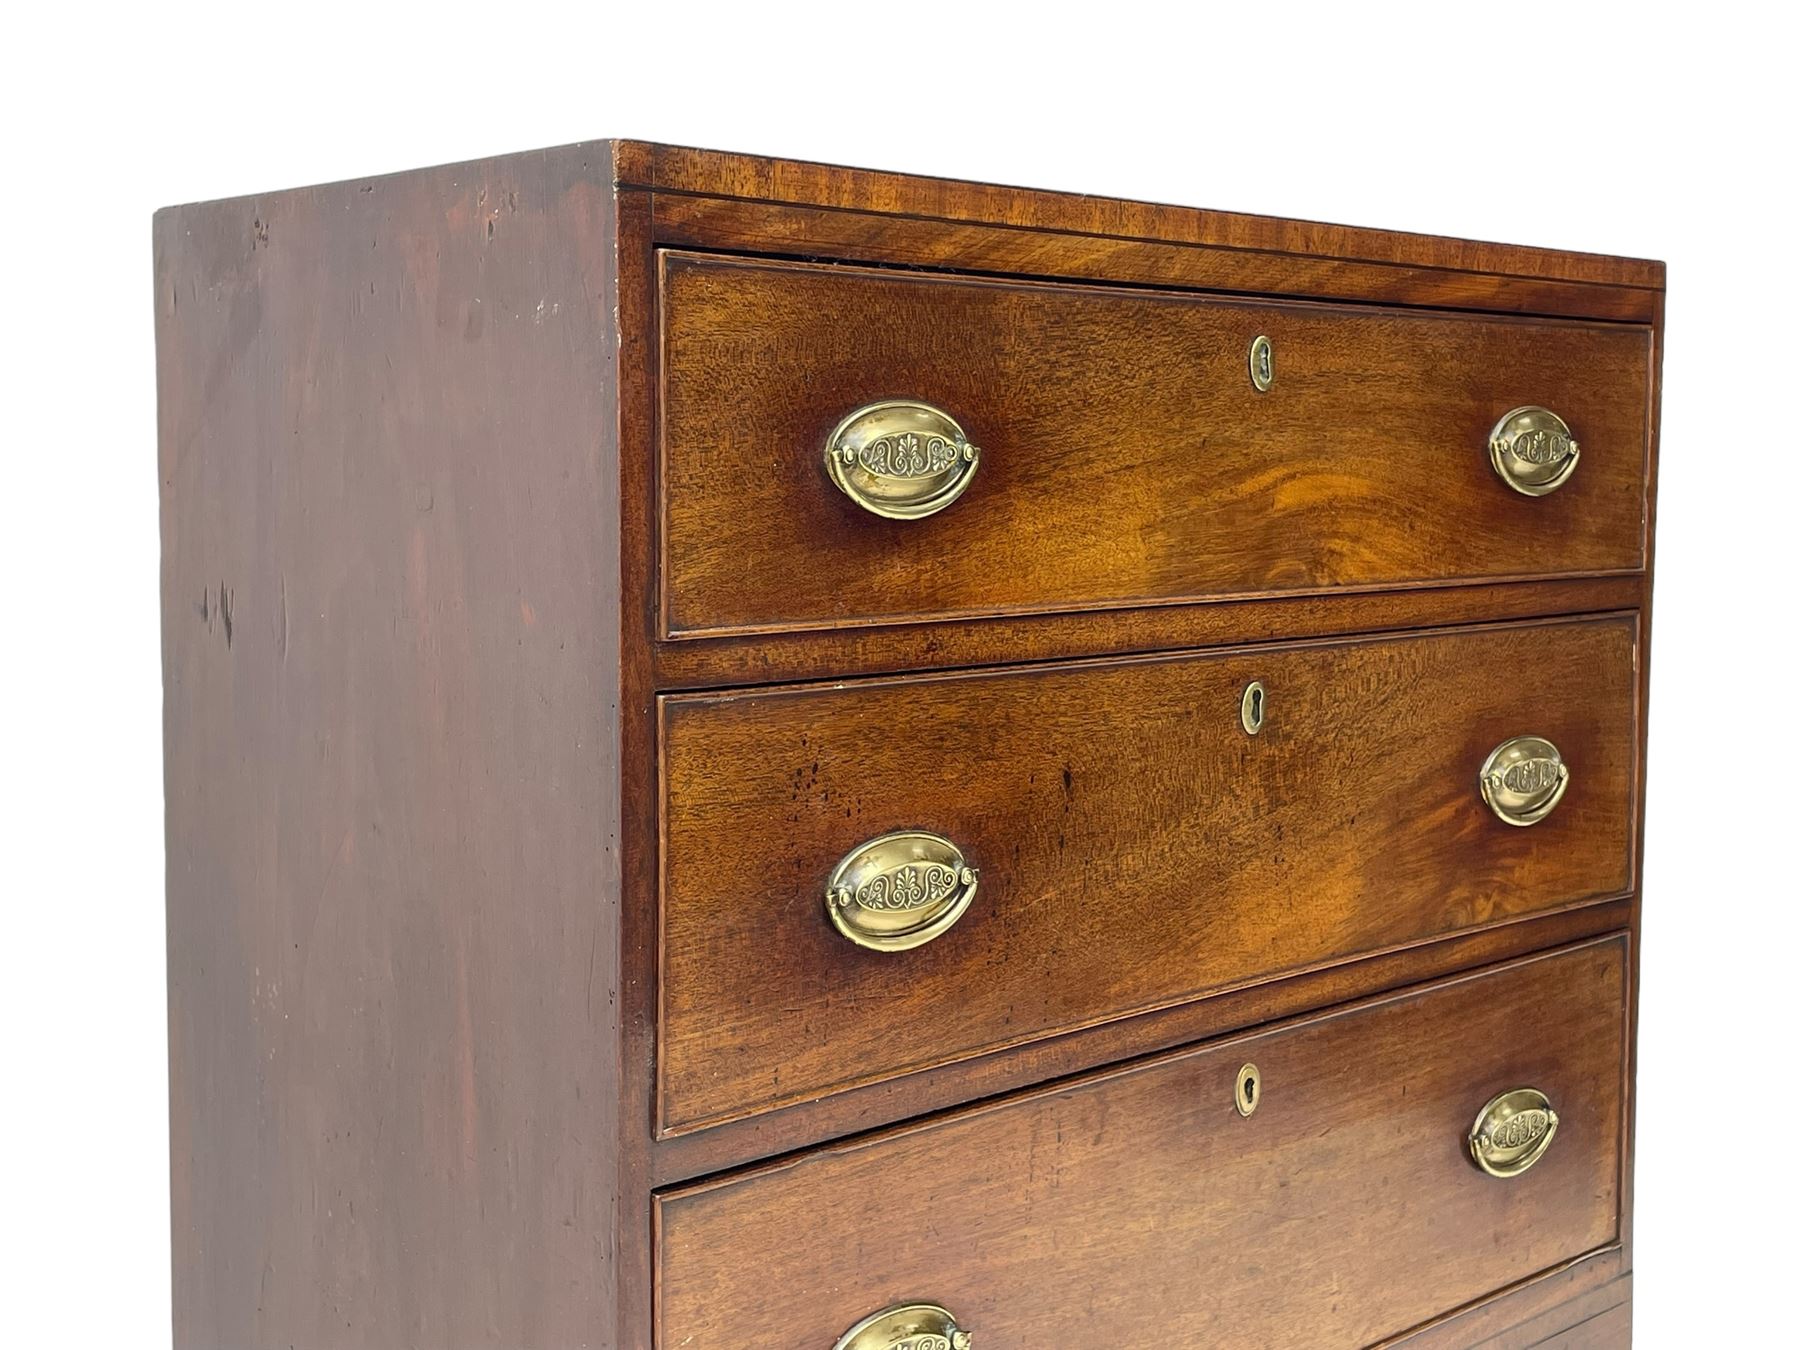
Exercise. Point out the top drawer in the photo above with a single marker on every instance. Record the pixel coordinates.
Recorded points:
(1125, 455)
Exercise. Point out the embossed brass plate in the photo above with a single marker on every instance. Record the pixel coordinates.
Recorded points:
(1512, 1132)
(1262, 364)
(911, 1326)
(1523, 779)
(900, 459)
(1533, 450)
(1248, 1093)
(899, 891)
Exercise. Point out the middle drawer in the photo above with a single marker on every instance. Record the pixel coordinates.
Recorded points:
(1130, 843)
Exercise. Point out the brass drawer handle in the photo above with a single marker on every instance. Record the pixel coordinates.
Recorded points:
(1523, 779)
(1512, 1132)
(899, 891)
(910, 1326)
(1533, 450)
(900, 459)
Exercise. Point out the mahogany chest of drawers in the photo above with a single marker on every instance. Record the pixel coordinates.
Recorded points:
(769, 756)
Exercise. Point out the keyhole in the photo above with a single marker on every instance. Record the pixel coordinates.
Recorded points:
(1246, 1094)
(1262, 364)
(1251, 710)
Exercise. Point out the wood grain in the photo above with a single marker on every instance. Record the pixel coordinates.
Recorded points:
(1629, 1203)
(632, 1113)
(391, 597)
(833, 653)
(711, 173)
(1529, 1313)
(682, 1158)
(1610, 1330)
(734, 225)
(1126, 457)
(414, 467)
(1343, 1211)
(1136, 848)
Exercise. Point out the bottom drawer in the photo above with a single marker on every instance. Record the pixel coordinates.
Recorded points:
(1140, 1208)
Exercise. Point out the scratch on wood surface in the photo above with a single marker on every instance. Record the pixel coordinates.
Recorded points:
(219, 612)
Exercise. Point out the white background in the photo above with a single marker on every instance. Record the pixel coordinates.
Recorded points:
(1627, 129)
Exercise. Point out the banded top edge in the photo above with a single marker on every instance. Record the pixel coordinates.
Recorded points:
(713, 173)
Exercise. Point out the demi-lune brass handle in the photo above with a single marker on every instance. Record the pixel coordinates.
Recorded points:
(1512, 1132)
(1533, 450)
(1523, 779)
(900, 459)
(910, 1326)
(899, 891)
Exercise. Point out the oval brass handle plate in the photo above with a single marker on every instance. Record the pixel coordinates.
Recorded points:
(910, 1326)
(899, 891)
(900, 459)
(1512, 1132)
(1533, 450)
(1523, 779)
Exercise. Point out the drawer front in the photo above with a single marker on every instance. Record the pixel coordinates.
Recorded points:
(1125, 456)
(1140, 1209)
(1133, 846)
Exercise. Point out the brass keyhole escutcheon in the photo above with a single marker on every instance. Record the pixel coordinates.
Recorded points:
(1262, 363)
(1253, 707)
(1249, 1090)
